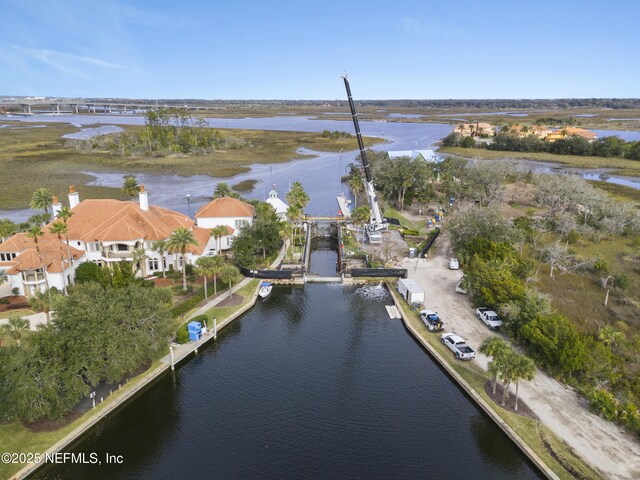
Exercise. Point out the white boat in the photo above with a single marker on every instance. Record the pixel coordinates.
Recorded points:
(265, 289)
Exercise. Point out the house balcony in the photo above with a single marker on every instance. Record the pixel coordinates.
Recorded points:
(32, 279)
(122, 255)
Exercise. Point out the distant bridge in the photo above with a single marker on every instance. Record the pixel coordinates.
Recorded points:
(83, 106)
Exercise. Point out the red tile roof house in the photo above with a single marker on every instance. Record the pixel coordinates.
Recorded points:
(231, 212)
(107, 231)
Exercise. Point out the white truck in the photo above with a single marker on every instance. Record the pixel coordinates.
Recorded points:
(458, 346)
(489, 317)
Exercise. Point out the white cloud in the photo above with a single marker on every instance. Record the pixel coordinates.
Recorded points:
(70, 63)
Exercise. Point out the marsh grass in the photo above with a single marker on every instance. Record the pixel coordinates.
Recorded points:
(621, 166)
(31, 158)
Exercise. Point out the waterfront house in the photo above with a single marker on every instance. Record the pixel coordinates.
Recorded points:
(571, 131)
(102, 231)
(475, 129)
(278, 205)
(227, 211)
(29, 271)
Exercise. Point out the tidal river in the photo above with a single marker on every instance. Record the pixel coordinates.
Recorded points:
(312, 383)
(320, 176)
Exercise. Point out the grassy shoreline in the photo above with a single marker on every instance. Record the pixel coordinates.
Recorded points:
(620, 166)
(34, 157)
(541, 440)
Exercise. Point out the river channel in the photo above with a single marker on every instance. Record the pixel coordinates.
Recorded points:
(320, 175)
(314, 382)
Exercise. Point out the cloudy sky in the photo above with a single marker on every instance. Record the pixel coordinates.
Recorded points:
(298, 49)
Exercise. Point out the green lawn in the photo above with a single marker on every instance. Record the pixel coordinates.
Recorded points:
(20, 312)
(222, 313)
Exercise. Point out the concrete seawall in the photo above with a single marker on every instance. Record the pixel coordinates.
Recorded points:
(112, 405)
(471, 392)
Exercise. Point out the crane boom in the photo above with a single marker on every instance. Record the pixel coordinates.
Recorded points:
(377, 222)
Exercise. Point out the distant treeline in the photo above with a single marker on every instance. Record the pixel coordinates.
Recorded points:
(570, 145)
(490, 104)
(166, 132)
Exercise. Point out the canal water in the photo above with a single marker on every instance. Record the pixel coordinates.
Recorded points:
(323, 260)
(315, 382)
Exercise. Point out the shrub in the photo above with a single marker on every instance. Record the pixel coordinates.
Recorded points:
(202, 319)
(182, 335)
(15, 291)
(573, 237)
(601, 266)
(177, 289)
(621, 281)
(4, 301)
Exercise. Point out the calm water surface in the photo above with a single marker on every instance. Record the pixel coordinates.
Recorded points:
(313, 383)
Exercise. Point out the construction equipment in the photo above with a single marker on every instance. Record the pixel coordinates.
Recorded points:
(376, 223)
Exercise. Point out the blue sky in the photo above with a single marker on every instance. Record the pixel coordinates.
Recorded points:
(223, 49)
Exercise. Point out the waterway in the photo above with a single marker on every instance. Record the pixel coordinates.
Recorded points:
(314, 383)
(320, 175)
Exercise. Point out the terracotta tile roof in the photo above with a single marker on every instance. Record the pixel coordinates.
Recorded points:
(50, 249)
(225, 207)
(112, 220)
(581, 132)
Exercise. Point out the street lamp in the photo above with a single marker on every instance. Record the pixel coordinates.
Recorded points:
(189, 205)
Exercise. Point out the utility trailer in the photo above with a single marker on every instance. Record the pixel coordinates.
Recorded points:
(410, 291)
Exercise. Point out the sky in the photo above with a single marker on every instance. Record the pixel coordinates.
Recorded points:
(297, 50)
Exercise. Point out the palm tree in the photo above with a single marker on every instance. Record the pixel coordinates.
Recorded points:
(42, 301)
(295, 214)
(178, 241)
(217, 233)
(218, 264)
(16, 326)
(611, 337)
(34, 233)
(130, 186)
(207, 267)
(494, 347)
(42, 198)
(361, 217)
(160, 246)
(356, 186)
(222, 190)
(7, 228)
(523, 369)
(59, 228)
(138, 256)
(229, 273)
(65, 214)
(284, 231)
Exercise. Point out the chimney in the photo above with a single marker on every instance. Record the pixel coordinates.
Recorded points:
(56, 206)
(144, 199)
(74, 198)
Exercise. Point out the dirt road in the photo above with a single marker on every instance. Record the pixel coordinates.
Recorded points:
(601, 443)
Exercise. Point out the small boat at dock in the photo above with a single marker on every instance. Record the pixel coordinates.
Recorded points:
(265, 290)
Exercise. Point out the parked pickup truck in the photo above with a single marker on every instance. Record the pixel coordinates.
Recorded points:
(489, 317)
(431, 320)
(458, 346)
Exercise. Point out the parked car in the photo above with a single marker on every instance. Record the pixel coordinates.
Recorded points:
(458, 346)
(431, 320)
(489, 317)
(454, 264)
